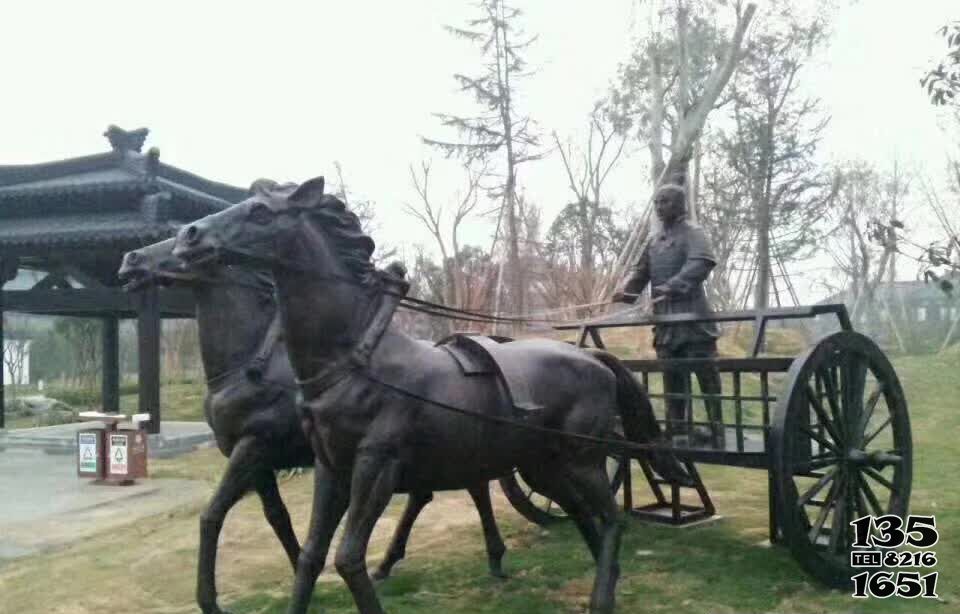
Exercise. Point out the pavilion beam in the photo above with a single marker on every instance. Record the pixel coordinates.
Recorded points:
(110, 384)
(148, 346)
(95, 302)
(61, 301)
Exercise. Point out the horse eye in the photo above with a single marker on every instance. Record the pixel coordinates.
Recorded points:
(261, 214)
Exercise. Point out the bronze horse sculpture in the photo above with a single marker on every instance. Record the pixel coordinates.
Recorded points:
(251, 394)
(251, 406)
(376, 402)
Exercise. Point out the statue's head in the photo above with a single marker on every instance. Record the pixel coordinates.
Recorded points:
(670, 202)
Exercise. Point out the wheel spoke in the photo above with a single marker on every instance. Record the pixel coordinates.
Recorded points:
(872, 401)
(873, 473)
(821, 413)
(820, 461)
(817, 527)
(872, 436)
(853, 378)
(862, 509)
(839, 515)
(819, 439)
(817, 487)
(833, 400)
(871, 498)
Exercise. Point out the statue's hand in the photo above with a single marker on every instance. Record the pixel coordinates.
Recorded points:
(661, 290)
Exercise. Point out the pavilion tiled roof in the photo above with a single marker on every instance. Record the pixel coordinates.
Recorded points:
(121, 196)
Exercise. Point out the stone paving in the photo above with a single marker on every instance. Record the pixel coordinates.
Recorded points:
(43, 504)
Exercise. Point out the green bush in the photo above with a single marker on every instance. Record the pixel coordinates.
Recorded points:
(76, 397)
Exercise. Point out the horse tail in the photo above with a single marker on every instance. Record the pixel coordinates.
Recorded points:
(636, 413)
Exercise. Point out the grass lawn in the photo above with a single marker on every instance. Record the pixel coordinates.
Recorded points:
(724, 566)
(178, 400)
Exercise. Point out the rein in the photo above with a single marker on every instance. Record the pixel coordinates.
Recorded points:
(419, 305)
(619, 445)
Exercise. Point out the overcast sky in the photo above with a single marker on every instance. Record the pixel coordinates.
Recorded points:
(234, 91)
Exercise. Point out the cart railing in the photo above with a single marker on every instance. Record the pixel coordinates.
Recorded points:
(760, 317)
(740, 398)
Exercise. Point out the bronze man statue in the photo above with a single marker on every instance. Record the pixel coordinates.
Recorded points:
(675, 263)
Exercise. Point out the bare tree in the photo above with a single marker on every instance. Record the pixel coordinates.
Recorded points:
(775, 140)
(499, 128)
(16, 349)
(180, 344)
(83, 337)
(727, 218)
(431, 214)
(587, 169)
(857, 242)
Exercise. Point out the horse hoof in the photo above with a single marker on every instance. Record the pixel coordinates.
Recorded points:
(499, 574)
(379, 575)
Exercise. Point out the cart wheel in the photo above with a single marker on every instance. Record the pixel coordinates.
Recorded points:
(841, 449)
(542, 510)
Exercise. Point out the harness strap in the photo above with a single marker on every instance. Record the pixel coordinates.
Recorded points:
(258, 364)
(376, 325)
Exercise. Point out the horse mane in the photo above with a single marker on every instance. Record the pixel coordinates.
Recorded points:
(351, 243)
(341, 225)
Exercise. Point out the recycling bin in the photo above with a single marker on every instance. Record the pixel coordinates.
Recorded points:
(90, 454)
(126, 455)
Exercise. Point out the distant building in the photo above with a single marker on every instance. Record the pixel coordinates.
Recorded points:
(923, 316)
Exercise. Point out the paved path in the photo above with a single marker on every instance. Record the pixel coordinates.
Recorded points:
(43, 504)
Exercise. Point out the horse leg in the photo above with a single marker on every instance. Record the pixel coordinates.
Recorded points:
(398, 544)
(491, 533)
(374, 478)
(557, 487)
(593, 484)
(329, 503)
(277, 515)
(243, 465)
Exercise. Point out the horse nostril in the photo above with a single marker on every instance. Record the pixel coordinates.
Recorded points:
(193, 234)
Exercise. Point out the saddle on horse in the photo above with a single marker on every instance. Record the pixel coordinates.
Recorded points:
(482, 355)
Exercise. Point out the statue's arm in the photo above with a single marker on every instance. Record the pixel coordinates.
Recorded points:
(639, 276)
(700, 261)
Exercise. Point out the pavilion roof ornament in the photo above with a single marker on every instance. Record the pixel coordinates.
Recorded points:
(123, 141)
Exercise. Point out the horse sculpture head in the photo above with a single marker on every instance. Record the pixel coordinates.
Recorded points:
(153, 264)
(156, 264)
(287, 226)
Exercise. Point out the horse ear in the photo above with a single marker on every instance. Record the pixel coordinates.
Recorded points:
(308, 193)
(263, 187)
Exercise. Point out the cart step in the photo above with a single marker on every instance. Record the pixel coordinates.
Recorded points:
(670, 509)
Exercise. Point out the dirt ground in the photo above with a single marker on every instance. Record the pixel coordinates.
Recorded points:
(147, 559)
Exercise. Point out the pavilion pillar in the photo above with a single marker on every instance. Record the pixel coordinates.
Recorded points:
(148, 349)
(110, 384)
(3, 403)
(8, 271)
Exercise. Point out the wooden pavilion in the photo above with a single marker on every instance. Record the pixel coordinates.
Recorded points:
(70, 221)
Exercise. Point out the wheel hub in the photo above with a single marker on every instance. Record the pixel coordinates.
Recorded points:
(876, 458)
